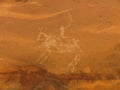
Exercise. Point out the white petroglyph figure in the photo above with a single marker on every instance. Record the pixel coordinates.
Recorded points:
(60, 44)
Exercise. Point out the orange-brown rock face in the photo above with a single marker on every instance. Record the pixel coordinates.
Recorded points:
(77, 41)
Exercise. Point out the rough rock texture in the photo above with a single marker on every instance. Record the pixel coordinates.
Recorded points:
(65, 37)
